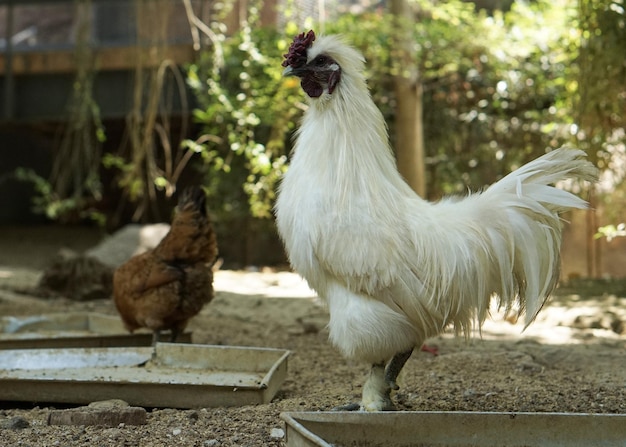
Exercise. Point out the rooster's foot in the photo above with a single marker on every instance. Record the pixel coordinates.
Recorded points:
(377, 390)
(381, 382)
(434, 350)
(379, 385)
(384, 404)
(376, 393)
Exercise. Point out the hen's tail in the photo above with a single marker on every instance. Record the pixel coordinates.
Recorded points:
(191, 238)
(533, 207)
(193, 198)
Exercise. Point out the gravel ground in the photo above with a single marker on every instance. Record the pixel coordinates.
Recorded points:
(572, 359)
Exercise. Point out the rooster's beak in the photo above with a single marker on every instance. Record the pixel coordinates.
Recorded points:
(290, 71)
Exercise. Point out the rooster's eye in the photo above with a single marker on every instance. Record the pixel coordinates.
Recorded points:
(320, 61)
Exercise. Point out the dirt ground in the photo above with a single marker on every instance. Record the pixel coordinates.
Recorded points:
(572, 359)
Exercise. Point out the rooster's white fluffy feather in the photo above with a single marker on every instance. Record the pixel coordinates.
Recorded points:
(394, 268)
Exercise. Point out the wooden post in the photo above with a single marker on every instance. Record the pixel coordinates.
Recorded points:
(409, 145)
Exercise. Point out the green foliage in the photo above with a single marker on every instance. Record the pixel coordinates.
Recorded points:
(493, 101)
(601, 96)
(496, 87)
(498, 91)
(74, 183)
(248, 112)
(602, 73)
(610, 232)
(48, 202)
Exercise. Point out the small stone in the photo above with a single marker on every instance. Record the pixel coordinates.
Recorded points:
(176, 431)
(469, 393)
(277, 433)
(111, 403)
(15, 423)
(211, 443)
(110, 415)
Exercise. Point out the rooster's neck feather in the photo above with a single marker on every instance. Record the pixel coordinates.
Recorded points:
(345, 126)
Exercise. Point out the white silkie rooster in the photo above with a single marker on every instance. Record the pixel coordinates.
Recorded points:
(394, 268)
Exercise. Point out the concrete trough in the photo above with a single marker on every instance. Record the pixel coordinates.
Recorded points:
(172, 375)
(453, 429)
(72, 330)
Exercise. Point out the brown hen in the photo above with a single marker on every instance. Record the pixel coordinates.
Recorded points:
(163, 288)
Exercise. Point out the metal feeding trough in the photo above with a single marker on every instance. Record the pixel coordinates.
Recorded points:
(72, 330)
(179, 375)
(453, 429)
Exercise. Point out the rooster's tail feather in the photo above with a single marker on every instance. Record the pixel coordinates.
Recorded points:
(533, 179)
(533, 207)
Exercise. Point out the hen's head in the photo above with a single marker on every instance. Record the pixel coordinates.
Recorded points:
(321, 64)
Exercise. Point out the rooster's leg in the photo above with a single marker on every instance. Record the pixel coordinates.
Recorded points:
(377, 391)
(380, 382)
(395, 366)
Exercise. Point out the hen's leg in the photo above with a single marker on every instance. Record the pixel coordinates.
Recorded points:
(155, 337)
(174, 335)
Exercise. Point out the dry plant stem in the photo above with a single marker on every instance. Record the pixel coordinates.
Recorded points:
(78, 157)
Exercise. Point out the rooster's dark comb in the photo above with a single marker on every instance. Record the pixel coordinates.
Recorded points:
(296, 57)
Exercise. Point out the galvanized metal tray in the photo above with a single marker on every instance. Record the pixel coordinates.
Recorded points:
(179, 375)
(453, 429)
(72, 330)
